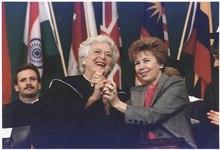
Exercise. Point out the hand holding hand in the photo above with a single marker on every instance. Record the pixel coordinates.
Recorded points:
(110, 92)
(98, 77)
(98, 80)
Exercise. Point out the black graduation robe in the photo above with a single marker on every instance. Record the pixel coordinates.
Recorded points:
(63, 123)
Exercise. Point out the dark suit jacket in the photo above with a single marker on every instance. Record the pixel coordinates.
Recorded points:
(206, 133)
(19, 116)
(169, 112)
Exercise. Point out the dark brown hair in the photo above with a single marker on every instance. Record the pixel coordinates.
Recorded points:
(26, 67)
(152, 44)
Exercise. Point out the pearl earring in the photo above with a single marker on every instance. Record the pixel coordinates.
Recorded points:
(161, 68)
(84, 63)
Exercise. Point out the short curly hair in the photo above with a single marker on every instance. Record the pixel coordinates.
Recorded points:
(86, 46)
(152, 44)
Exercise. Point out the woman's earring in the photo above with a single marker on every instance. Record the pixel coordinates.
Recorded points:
(84, 63)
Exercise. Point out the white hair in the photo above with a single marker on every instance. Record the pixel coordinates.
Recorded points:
(86, 46)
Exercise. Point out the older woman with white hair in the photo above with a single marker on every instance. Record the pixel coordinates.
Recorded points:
(71, 113)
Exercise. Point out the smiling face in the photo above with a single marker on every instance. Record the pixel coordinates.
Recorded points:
(99, 58)
(147, 67)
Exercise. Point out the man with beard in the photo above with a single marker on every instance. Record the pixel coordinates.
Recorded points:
(19, 114)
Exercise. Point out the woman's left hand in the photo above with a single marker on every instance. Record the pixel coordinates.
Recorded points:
(109, 94)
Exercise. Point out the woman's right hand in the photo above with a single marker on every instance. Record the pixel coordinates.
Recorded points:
(98, 80)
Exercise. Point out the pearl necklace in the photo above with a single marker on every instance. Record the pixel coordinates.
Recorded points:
(90, 81)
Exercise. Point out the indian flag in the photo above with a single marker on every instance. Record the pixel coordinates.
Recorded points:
(41, 43)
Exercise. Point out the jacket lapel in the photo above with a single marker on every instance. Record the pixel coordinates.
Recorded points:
(161, 82)
(138, 96)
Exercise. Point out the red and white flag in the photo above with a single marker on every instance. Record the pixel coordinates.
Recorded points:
(83, 27)
(165, 28)
(110, 27)
(32, 36)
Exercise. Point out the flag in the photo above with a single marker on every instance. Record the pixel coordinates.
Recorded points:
(6, 64)
(199, 45)
(41, 42)
(154, 24)
(90, 19)
(110, 27)
(79, 31)
(32, 36)
(84, 26)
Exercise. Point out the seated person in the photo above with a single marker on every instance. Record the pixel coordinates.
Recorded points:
(20, 113)
(72, 113)
(207, 134)
(160, 108)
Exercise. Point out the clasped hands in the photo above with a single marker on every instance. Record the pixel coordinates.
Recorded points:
(104, 89)
(109, 92)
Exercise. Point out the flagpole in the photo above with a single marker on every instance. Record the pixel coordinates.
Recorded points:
(58, 39)
(184, 31)
(86, 18)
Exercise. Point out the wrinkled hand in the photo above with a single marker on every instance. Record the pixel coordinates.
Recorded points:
(214, 117)
(98, 80)
(105, 101)
(110, 92)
